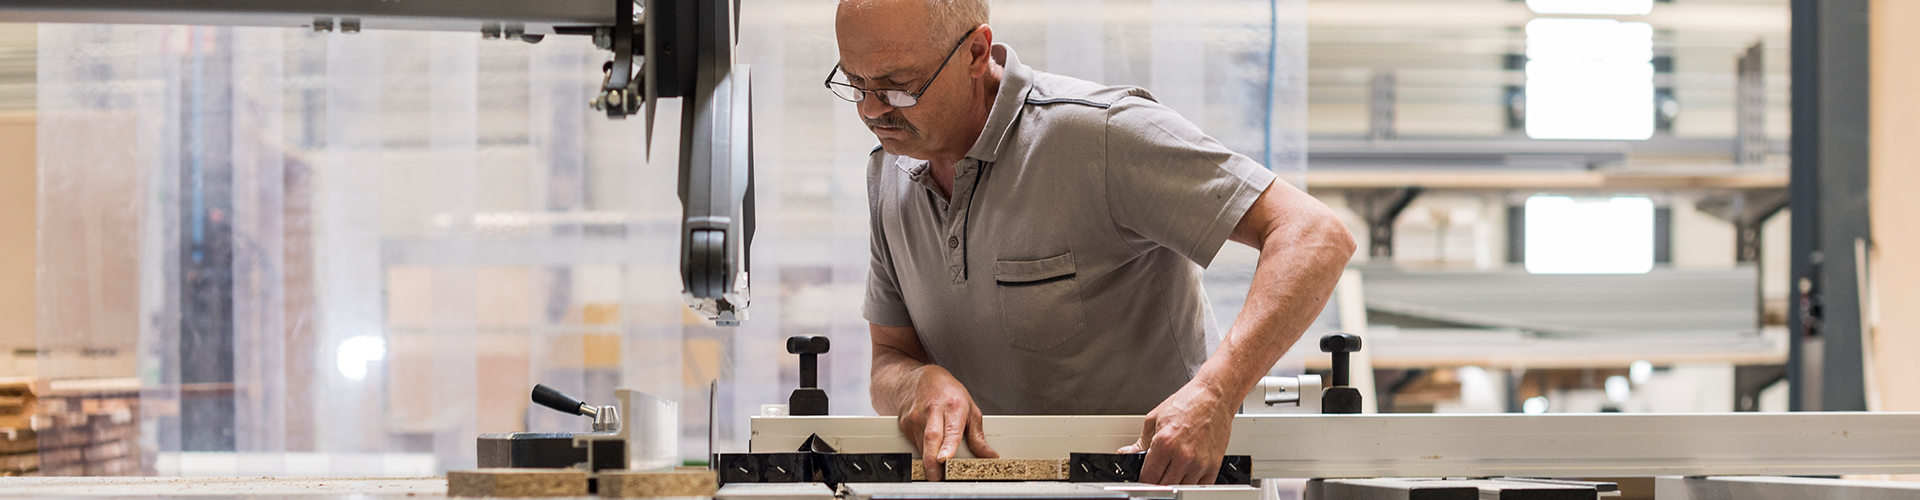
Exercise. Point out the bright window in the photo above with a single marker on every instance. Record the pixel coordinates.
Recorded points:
(1589, 236)
(1589, 79)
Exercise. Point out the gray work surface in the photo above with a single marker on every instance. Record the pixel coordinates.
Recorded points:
(1009, 490)
(221, 487)
(771, 491)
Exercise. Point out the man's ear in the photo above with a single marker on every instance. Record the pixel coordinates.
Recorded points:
(980, 52)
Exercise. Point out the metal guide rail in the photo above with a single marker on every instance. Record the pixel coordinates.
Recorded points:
(1439, 445)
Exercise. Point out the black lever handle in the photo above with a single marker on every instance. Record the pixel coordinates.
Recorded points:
(1338, 397)
(808, 399)
(551, 398)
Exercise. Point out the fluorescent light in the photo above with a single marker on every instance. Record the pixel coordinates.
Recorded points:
(1589, 79)
(1600, 7)
(1600, 236)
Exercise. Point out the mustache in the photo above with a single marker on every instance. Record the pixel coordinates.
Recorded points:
(891, 121)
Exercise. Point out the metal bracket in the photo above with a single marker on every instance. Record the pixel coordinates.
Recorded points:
(1747, 210)
(1299, 394)
(1750, 107)
(1381, 207)
(1380, 106)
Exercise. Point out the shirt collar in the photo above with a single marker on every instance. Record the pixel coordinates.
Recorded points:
(1014, 85)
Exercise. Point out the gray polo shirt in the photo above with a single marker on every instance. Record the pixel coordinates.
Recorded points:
(1064, 275)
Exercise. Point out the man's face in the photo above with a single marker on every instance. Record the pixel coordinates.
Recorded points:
(884, 44)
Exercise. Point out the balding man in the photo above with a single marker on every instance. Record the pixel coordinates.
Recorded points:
(1037, 245)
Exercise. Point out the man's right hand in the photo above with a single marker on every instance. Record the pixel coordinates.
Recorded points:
(942, 414)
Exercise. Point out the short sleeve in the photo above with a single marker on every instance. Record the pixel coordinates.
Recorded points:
(884, 304)
(1171, 184)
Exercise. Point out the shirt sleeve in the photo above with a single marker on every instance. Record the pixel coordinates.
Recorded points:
(884, 305)
(1170, 184)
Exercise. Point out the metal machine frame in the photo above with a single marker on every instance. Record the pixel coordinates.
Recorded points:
(688, 47)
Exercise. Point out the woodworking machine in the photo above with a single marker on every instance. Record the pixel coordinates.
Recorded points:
(657, 49)
(1292, 427)
(1295, 434)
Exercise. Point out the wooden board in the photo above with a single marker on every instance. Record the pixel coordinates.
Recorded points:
(637, 484)
(1894, 168)
(502, 483)
(1005, 469)
(999, 469)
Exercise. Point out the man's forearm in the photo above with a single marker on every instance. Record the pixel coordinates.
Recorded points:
(1297, 271)
(895, 375)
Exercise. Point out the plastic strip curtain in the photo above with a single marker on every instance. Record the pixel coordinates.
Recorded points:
(350, 254)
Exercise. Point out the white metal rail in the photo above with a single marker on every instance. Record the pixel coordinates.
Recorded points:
(1436, 445)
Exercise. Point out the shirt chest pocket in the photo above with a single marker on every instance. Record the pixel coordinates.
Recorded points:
(1039, 301)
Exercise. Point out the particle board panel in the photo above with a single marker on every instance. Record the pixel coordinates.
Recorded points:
(639, 484)
(998, 469)
(516, 483)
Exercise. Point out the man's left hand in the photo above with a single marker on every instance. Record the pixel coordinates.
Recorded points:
(1186, 436)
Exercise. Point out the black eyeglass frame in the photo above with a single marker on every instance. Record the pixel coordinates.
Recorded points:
(861, 94)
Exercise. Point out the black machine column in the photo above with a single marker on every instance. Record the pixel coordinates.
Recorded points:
(1828, 185)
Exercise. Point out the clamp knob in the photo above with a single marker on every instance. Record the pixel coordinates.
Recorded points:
(553, 398)
(1338, 396)
(808, 399)
(605, 418)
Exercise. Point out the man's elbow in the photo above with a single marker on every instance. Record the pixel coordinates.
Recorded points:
(1333, 245)
(1339, 239)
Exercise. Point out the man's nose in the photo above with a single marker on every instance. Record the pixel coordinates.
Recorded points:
(873, 107)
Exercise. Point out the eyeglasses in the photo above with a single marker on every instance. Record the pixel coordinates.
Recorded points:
(893, 97)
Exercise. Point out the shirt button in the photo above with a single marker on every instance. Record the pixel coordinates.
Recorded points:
(953, 242)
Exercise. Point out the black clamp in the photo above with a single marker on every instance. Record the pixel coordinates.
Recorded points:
(1339, 397)
(815, 462)
(557, 449)
(808, 400)
(1125, 468)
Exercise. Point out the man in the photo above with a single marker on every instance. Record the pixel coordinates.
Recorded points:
(1037, 243)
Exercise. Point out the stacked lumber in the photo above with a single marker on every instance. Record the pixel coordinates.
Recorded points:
(90, 428)
(70, 428)
(19, 444)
